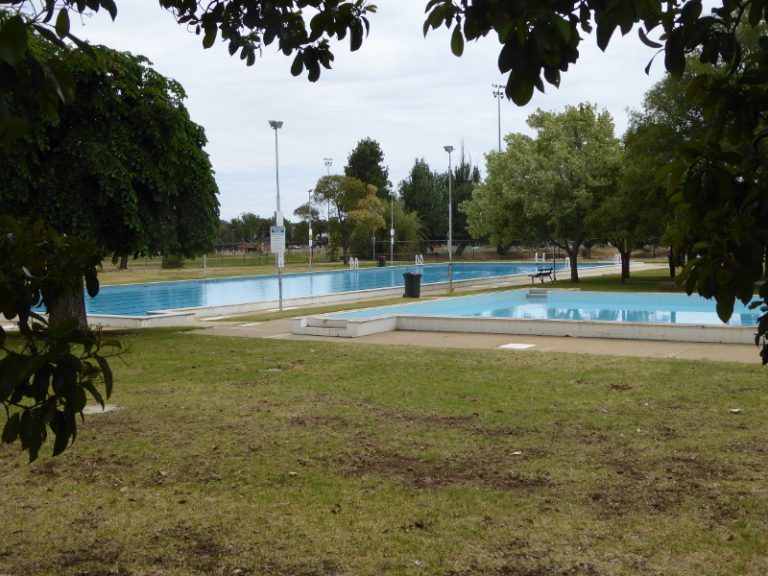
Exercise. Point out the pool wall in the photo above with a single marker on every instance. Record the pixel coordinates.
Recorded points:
(186, 316)
(356, 327)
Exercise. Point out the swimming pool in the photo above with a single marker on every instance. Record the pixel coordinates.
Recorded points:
(154, 298)
(655, 308)
(551, 313)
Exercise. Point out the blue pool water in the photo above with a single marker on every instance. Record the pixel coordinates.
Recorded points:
(139, 299)
(570, 305)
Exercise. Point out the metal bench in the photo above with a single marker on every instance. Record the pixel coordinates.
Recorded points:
(541, 274)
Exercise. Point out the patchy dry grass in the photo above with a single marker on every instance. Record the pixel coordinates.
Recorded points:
(137, 274)
(243, 457)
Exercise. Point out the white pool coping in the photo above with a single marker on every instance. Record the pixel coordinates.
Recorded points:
(356, 327)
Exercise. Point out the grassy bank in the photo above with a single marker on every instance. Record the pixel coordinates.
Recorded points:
(236, 456)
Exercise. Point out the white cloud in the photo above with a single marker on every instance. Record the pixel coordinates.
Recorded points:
(409, 93)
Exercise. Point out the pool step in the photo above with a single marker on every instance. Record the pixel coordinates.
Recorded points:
(537, 294)
(320, 322)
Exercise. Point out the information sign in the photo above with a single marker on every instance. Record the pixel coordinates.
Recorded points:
(277, 239)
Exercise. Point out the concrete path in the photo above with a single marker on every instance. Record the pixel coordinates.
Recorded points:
(612, 347)
(281, 329)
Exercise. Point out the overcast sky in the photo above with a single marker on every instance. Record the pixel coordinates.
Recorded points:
(405, 91)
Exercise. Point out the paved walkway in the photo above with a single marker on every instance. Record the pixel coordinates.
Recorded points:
(639, 348)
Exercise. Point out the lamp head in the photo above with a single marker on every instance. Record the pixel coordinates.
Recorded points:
(448, 149)
(275, 124)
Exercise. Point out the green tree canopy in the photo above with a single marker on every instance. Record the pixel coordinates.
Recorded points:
(548, 186)
(638, 211)
(124, 167)
(346, 196)
(421, 194)
(366, 163)
(426, 192)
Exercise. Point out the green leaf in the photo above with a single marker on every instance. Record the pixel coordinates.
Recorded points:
(94, 392)
(355, 36)
(11, 428)
(210, 36)
(647, 41)
(298, 65)
(674, 56)
(32, 434)
(725, 307)
(110, 7)
(457, 42)
(91, 282)
(62, 23)
(59, 428)
(604, 33)
(519, 89)
(13, 40)
(106, 373)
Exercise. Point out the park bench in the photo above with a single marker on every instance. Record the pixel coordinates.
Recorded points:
(541, 273)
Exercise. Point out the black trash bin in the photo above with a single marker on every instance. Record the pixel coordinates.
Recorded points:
(412, 285)
(381, 261)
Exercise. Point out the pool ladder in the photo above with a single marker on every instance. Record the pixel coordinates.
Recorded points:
(537, 294)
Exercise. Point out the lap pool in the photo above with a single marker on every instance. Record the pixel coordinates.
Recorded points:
(228, 295)
(649, 316)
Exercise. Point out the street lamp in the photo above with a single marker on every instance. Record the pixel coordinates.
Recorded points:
(449, 149)
(328, 162)
(392, 230)
(309, 221)
(280, 253)
(498, 93)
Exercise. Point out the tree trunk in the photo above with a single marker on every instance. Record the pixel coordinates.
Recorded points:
(345, 251)
(69, 305)
(573, 256)
(625, 255)
(123, 262)
(671, 261)
(460, 249)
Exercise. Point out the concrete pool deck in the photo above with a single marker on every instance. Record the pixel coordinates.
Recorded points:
(281, 329)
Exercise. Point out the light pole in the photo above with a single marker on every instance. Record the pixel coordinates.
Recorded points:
(280, 254)
(309, 220)
(449, 149)
(328, 162)
(498, 93)
(392, 230)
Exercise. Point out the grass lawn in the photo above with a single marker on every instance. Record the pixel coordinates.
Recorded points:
(138, 274)
(639, 281)
(234, 456)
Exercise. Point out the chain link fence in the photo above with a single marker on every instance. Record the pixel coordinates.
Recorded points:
(257, 254)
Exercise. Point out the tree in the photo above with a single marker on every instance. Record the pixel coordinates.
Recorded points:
(465, 178)
(420, 193)
(47, 372)
(539, 40)
(552, 183)
(496, 209)
(124, 167)
(306, 213)
(365, 163)
(718, 181)
(367, 218)
(667, 119)
(407, 225)
(345, 195)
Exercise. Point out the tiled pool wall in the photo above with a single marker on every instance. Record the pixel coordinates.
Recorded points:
(445, 316)
(183, 316)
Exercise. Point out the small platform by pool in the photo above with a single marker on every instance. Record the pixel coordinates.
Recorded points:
(541, 312)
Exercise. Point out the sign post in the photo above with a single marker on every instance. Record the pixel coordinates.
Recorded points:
(277, 245)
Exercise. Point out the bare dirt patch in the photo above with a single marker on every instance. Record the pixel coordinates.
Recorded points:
(494, 470)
